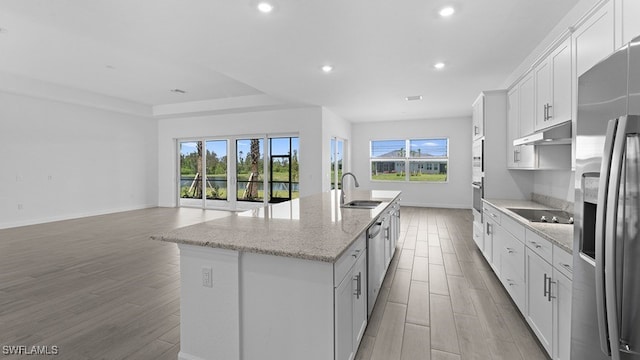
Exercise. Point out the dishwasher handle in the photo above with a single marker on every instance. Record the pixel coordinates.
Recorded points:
(371, 233)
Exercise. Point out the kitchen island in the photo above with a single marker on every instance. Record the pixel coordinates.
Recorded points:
(285, 281)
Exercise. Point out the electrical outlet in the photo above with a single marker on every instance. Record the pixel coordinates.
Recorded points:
(207, 277)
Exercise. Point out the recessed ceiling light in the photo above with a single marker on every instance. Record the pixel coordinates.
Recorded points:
(178, 91)
(110, 67)
(265, 7)
(439, 66)
(447, 11)
(414, 97)
(327, 68)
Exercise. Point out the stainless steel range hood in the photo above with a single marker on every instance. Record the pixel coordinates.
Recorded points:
(556, 135)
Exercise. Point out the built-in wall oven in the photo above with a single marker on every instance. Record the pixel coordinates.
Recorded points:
(477, 176)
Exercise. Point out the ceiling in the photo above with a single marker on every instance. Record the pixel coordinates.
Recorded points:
(382, 51)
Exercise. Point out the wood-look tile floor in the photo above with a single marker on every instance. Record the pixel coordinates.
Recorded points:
(96, 287)
(441, 300)
(99, 288)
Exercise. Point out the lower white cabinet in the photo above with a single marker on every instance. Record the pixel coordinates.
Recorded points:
(561, 316)
(351, 305)
(535, 273)
(539, 308)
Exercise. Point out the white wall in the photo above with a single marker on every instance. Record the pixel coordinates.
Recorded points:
(334, 126)
(306, 122)
(62, 160)
(456, 193)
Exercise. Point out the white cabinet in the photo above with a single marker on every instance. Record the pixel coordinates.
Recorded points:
(350, 315)
(561, 316)
(553, 97)
(477, 118)
(520, 108)
(626, 20)
(593, 40)
(539, 309)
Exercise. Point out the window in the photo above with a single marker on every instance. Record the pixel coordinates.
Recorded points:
(425, 160)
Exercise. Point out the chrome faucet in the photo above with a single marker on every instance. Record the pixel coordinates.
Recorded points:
(343, 196)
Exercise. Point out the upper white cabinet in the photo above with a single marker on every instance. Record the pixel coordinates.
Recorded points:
(478, 118)
(520, 110)
(626, 20)
(553, 97)
(593, 40)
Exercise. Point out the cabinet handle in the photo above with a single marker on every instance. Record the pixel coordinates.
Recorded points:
(489, 229)
(355, 253)
(476, 130)
(510, 282)
(547, 287)
(566, 266)
(549, 112)
(536, 245)
(545, 113)
(358, 280)
(515, 159)
(510, 250)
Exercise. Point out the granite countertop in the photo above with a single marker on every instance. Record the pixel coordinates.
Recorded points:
(313, 227)
(559, 234)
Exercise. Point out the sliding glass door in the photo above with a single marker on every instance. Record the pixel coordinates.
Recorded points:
(284, 175)
(234, 173)
(216, 173)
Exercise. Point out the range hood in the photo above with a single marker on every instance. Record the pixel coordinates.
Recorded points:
(556, 135)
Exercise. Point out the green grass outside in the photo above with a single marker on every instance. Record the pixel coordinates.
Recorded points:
(418, 177)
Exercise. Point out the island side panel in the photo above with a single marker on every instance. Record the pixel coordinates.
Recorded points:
(287, 308)
(209, 316)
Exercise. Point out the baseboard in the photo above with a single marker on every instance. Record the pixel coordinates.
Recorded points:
(49, 219)
(184, 356)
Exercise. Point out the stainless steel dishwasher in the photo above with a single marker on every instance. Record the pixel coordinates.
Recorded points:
(376, 262)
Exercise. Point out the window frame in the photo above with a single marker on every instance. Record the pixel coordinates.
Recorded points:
(408, 160)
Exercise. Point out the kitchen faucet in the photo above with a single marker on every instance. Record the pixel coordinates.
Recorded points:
(342, 194)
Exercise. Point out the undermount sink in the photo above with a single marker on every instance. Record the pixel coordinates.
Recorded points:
(362, 204)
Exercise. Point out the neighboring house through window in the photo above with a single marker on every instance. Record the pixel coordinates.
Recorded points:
(426, 160)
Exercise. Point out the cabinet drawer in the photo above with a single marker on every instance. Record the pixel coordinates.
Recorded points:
(513, 227)
(512, 255)
(514, 283)
(539, 245)
(348, 258)
(491, 213)
(563, 261)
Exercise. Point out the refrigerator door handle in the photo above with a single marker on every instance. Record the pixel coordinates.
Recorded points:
(601, 305)
(611, 224)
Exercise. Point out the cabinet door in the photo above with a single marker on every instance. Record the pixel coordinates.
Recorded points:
(561, 98)
(542, 75)
(527, 106)
(561, 316)
(513, 126)
(539, 308)
(629, 11)
(343, 319)
(594, 39)
(359, 297)
(478, 118)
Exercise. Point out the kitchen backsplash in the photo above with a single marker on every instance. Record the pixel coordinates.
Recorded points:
(553, 202)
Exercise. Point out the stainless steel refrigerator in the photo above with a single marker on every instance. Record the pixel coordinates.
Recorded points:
(606, 279)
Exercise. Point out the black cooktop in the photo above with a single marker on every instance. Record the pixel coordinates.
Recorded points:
(544, 215)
